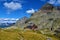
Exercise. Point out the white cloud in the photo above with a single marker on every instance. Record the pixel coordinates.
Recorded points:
(9, 20)
(13, 5)
(30, 11)
(14, 19)
(51, 1)
(54, 1)
(58, 1)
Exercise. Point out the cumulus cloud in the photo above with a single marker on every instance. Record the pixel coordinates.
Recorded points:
(30, 11)
(9, 20)
(54, 1)
(58, 1)
(14, 19)
(13, 5)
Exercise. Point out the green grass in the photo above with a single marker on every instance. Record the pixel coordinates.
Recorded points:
(17, 34)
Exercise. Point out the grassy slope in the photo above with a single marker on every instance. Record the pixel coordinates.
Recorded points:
(15, 34)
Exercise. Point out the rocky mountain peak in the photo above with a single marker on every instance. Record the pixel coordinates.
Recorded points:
(44, 18)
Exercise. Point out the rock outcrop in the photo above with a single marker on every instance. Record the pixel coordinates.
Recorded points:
(47, 17)
(21, 22)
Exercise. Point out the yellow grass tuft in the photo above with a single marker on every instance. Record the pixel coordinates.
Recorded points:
(15, 34)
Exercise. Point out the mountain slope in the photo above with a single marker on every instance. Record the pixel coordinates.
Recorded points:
(17, 34)
(46, 17)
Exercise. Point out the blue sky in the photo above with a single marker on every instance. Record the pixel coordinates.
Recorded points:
(21, 8)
